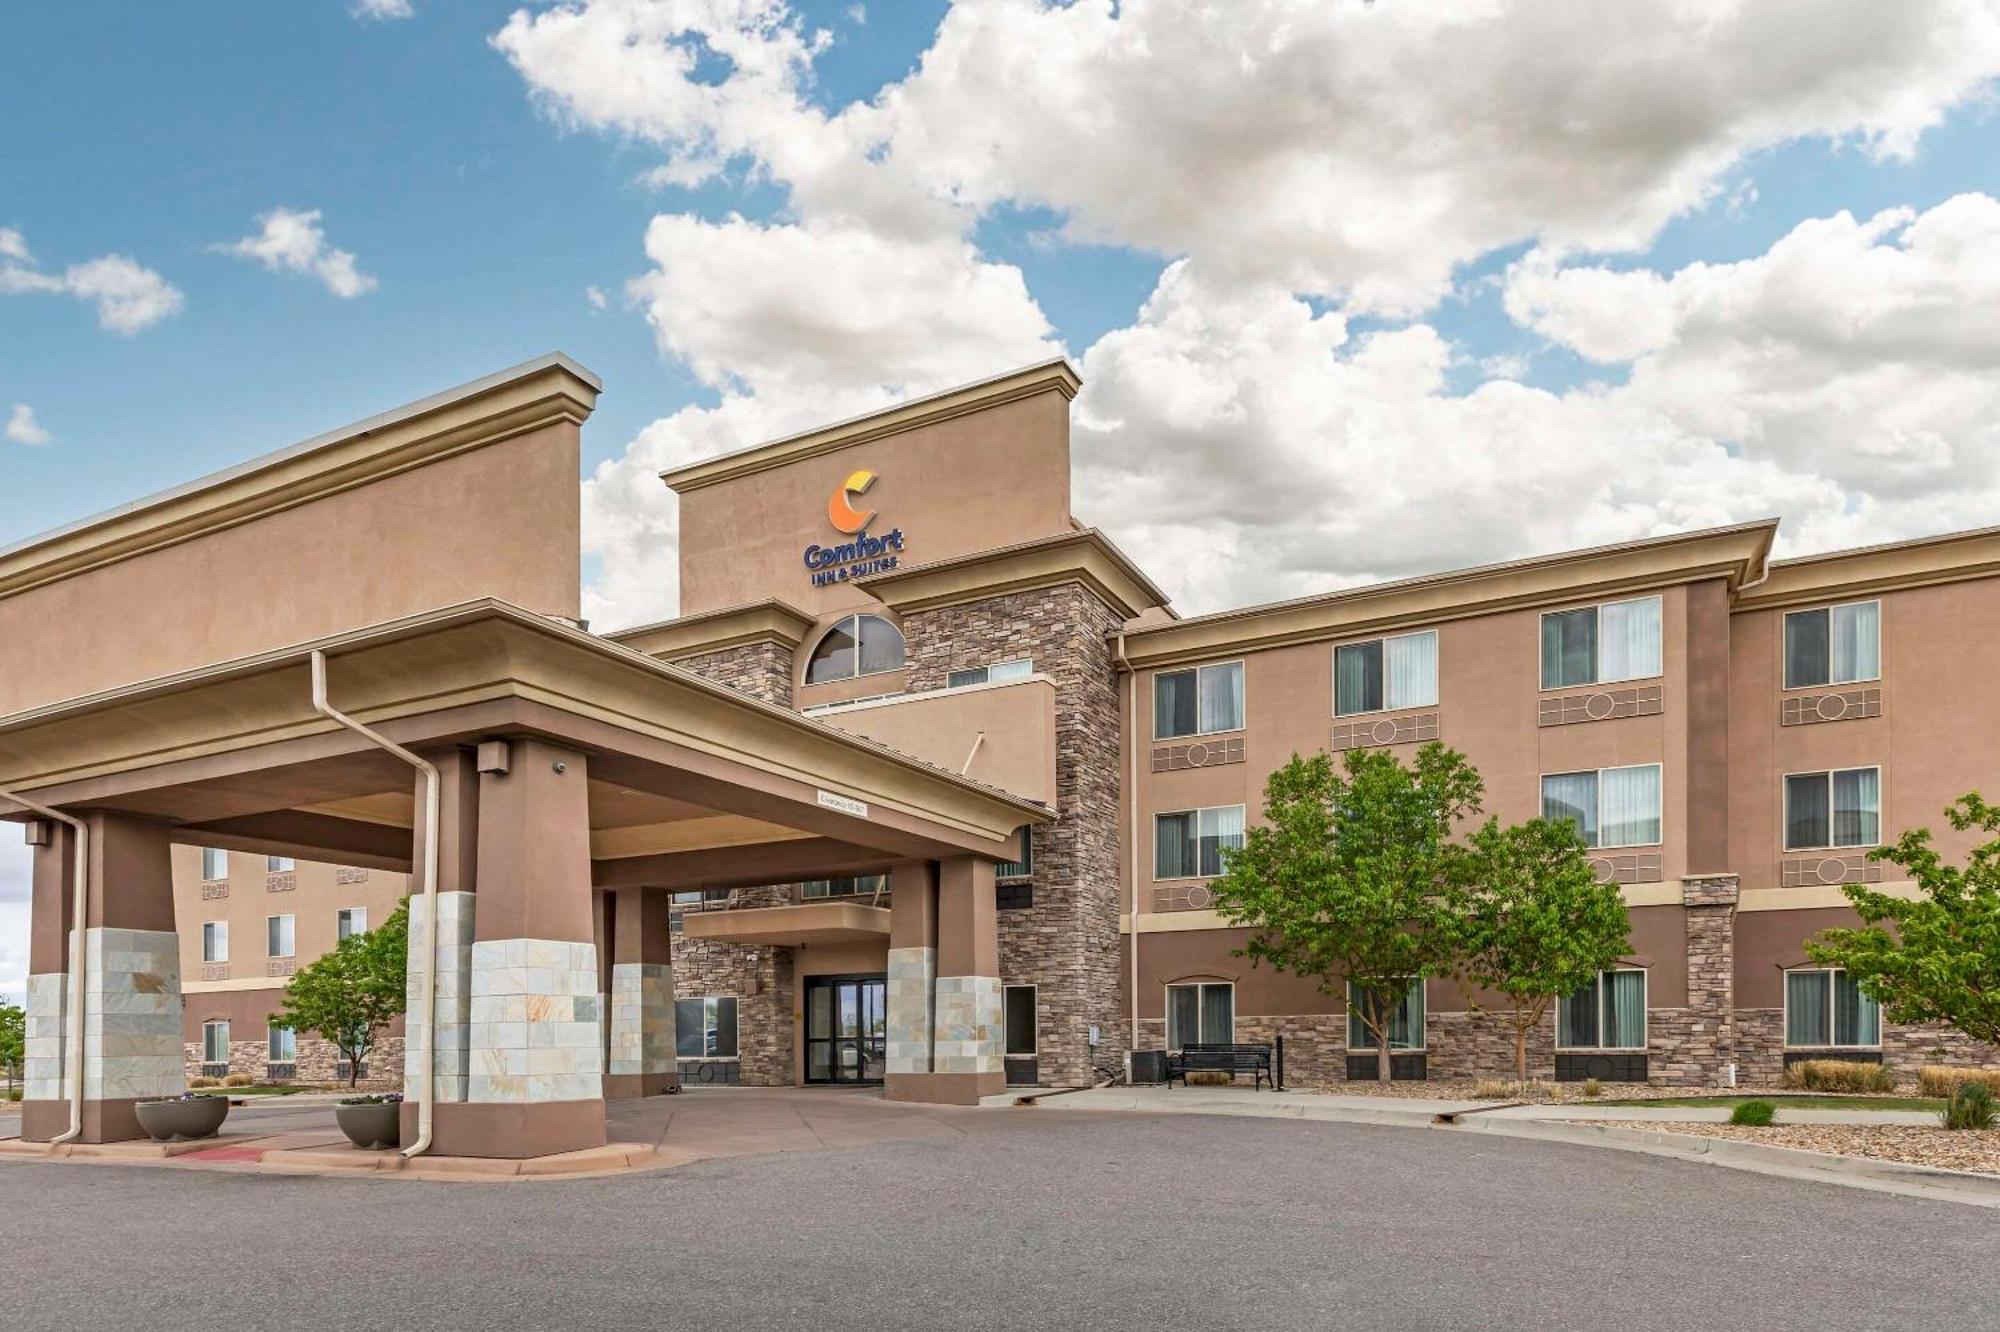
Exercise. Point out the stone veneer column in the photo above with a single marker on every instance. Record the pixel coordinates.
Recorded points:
(965, 1046)
(1708, 1043)
(458, 860)
(534, 1082)
(641, 1060)
(912, 980)
(132, 985)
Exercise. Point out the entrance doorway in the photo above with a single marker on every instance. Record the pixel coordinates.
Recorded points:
(846, 1025)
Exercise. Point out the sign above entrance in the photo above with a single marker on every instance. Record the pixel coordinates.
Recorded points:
(845, 804)
(863, 555)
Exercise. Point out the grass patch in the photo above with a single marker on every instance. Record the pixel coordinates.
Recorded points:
(1798, 1102)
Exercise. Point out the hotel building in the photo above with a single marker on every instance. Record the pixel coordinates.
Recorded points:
(927, 783)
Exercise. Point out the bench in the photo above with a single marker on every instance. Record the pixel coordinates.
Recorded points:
(1231, 1059)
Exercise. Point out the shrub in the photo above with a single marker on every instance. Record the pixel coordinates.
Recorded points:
(1970, 1107)
(1755, 1114)
(1839, 1075)
(1592, 1088)
(1493, 1089)
(201, 1082)
(1943, 1080)
(239, 1080)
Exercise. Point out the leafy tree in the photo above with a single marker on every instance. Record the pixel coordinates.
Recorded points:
(1941, 960)
(1351, 876)
(1535, 923)
(13, 1041)
(350, 994)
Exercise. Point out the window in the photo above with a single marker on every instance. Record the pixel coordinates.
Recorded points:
(1189, 844)
(853, 885)
(284, 1045)
(215, 1042)
(1828, 809)
(1385, 674)
(1200, 701)
(1619, 640)
(279, 936)
(214, 863)
(1834, 645)
(705, 1028)
(1201, 1014)
(1610, 806)
(1825, 1009)
(1018, 669)
(1406, 1024)
(349, 921)
(1019, 1026)
(858, 645)
(1607, 1014)
(215, 941)
(279, 864)
(1025, 866)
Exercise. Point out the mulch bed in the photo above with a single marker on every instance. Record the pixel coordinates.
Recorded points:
(1949, 1149)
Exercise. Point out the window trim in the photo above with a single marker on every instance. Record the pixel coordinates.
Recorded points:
(338, 912)
(221, 935)
(805, 675)
(207, 851)
(1785, 807)
(1036, 1051)
(268, 921)
(986, 670)
(1597, 679)
(1334, 660)
(1197, 811)
(270, 1045)
(1026, 862)
(1785, 1011)
(1196, 671)
(1645, 1016)
(1618, 767)
(227, 1041)
(1347, 1021)
(280, 864)
(1783, 650)
(1167, 1009)
(709, 1058)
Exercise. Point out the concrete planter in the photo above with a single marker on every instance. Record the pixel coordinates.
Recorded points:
(178, 1121)
(370, 1126)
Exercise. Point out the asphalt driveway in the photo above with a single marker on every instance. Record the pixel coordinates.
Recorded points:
(1018, 1220)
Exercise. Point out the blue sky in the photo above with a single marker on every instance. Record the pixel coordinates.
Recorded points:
(1358, 290)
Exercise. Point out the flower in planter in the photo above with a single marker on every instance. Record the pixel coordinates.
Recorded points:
(377, 1098)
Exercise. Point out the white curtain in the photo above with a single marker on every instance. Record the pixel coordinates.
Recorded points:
(1857, 807)
(1628, 804)
(1857, 642)
(1628, 639)
(1221, 829)
(1411, 665)
(1222, 698)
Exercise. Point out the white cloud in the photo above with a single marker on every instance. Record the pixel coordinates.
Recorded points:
(382, 9)
(23, 428)
(598, 300)
(129, 296)
(291, 241)
(16, 865)
(858, 15)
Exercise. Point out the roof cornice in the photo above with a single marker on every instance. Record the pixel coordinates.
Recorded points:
(1056, 376)
(1868, 570)
(1737, 554)
(1084, 556)
(767, 621)
(533, 394)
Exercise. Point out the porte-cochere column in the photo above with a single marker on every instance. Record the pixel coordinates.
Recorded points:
(944, 1037)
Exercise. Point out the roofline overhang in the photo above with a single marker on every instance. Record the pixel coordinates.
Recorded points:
(1867, 570)
(1054, 375)
(1083, 556)
(768, 621)
(1738, 554)
(534, 393)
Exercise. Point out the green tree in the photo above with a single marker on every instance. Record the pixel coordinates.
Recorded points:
(1350, 877)
(1940, 960)
(13, 1041)
(350, 994)
(1535, 924)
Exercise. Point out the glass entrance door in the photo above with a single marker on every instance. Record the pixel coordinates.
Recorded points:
(846, 1024)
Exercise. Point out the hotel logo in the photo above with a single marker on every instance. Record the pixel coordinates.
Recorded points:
(863, 555)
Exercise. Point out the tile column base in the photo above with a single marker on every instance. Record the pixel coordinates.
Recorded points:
(103, 1121)
(509, 1131)
(943, 1088)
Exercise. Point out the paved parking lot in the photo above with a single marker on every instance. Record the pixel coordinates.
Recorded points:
(1009, 1219)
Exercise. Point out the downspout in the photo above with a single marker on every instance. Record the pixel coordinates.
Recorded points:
(1131, 836)
(78, 953)
(433, 811)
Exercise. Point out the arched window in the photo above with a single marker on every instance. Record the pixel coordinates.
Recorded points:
(857, 645)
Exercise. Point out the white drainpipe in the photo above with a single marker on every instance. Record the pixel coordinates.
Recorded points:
(433, 811)
(80, 904)
(1132, 835)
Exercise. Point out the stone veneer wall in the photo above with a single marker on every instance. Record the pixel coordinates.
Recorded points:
(1760, 1047)
(1066, 944)
(763, 670)
(317, 1062)
(760, 980)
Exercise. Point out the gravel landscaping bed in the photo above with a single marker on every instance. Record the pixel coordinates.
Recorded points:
(1960, 1149)
(1552, 1093)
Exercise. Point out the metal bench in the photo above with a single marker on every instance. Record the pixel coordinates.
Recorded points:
(1231, 1059)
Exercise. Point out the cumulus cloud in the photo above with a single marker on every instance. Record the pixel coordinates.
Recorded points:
(291, 240)
(23, 428)
(129, 296)
(382, 9)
